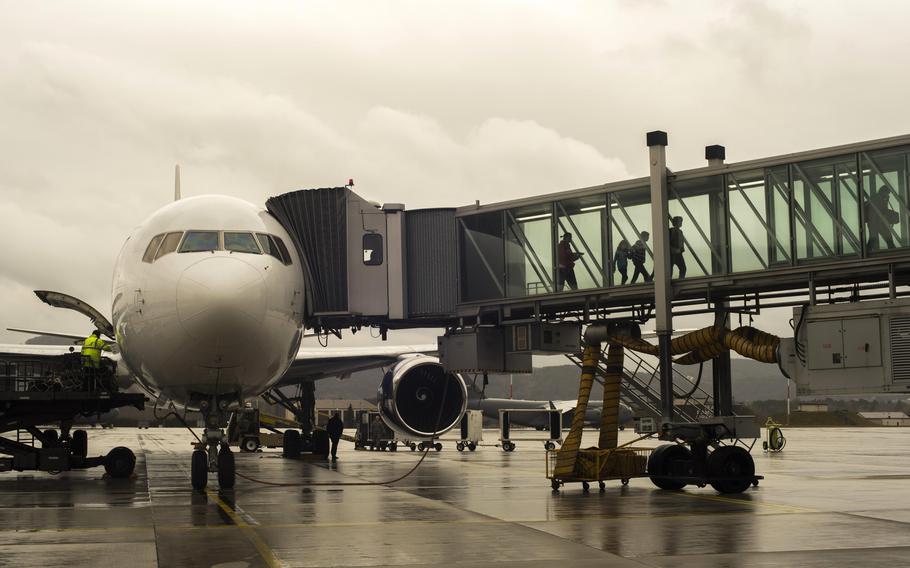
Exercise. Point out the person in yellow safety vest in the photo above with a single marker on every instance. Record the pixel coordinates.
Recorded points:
(91, 350)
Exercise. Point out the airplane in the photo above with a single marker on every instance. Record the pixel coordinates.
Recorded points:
(208, 311)
(491, 407)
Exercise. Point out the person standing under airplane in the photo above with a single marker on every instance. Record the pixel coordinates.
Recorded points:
(334, 427)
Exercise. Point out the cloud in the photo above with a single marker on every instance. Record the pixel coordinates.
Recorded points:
(111, 131)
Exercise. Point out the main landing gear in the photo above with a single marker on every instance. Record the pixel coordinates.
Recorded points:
(212, 453)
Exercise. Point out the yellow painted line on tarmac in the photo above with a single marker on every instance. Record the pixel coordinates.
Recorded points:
(733, 501)
(267, 554)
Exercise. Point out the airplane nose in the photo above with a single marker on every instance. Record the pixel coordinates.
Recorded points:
(221, 300)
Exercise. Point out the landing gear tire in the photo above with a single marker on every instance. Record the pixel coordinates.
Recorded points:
(52, 439)
(249, 444)
(459, 446)
(199, 470)
(291, 444)
(472, 446)
(226, 471)
(660, 463)
(437, 447)
(549, 446)
(79, 443)
(730, 462)
(321, 443)
(120, 462)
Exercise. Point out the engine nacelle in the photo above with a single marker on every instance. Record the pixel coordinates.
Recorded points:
(417, 398)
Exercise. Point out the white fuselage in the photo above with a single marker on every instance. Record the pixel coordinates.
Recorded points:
(212, 322)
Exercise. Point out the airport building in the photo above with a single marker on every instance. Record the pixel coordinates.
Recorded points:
(887, 418)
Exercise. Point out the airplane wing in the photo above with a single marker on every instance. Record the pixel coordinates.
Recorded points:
(313, 363)
(563, 406)
(32, 352)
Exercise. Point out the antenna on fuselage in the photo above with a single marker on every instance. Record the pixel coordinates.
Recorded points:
(177, 182)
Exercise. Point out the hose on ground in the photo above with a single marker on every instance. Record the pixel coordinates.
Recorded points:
(426, 450)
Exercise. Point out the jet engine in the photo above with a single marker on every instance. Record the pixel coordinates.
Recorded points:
(417, 398)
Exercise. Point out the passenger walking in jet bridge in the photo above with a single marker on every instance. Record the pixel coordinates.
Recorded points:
(621, 260)
(91, 350)
(334, 427)
(879, 218)
(565, 259)
(677, 247)
(639, 254)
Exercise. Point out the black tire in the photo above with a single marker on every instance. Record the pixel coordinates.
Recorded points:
(52, 437)
(730, 461)
(79, 443)
(393, 447)
(226, 472)
(438, 447)
(585, 486)
(413, 447)
(549, 446)
(291, 444)
(249, 444)
(321, 443)
(120, 462)
(601, 485)
(472, 446)
(199, 470)
(554, 483)
(661, 463)
(459, 446)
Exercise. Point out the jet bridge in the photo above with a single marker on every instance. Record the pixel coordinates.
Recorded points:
(824, 221)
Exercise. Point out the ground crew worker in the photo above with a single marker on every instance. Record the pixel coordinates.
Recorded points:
(334, 427)
(91, 350)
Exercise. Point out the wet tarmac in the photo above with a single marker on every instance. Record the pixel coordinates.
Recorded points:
(834, 497)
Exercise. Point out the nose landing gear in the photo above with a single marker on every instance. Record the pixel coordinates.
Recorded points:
(212, 453)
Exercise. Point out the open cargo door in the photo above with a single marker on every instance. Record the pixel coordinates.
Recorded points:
(61, 300)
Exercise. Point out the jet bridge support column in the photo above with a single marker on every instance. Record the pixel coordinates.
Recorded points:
(721, 369)
(657, 149)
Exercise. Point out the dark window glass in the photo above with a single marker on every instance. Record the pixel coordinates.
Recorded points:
(268, 245)
(169, 245)
(240, 242)
(285, 255)
(149, 255)
(199, 241)
(482, 257)
(372, 249)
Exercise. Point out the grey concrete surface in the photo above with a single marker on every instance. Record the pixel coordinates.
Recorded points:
(834, 497)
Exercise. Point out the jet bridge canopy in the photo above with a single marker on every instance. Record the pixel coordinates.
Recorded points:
(366, 264)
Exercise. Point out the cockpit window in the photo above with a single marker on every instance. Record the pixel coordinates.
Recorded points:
(149, 255)
(285, 255)
(274, 246)
(240, 242)
(200, 241)
(169, 244)
(268, 245)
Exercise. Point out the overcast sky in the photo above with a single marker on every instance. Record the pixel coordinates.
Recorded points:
(425, 103)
